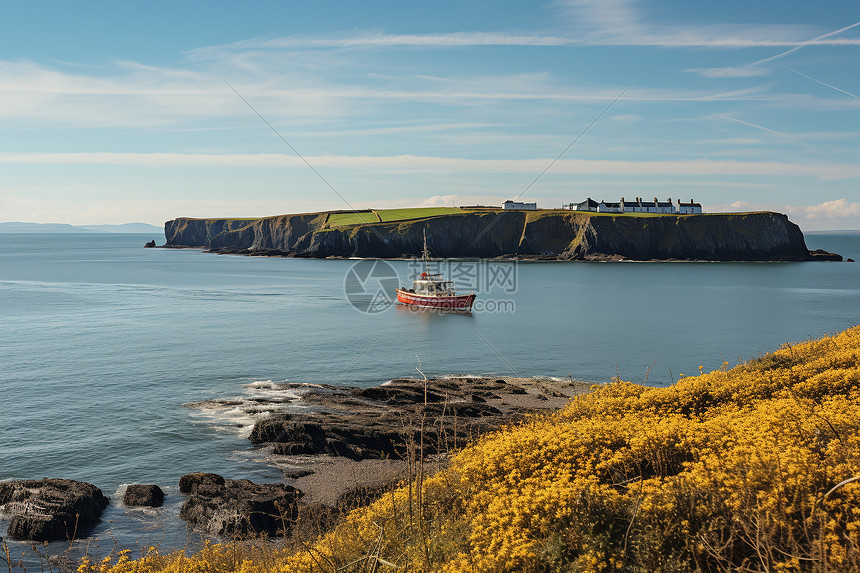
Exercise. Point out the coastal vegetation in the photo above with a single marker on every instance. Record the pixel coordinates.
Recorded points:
(750, 468)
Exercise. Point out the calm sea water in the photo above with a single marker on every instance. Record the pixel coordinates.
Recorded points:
(102, 342)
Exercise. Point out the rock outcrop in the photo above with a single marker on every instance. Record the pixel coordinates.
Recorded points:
(143, 495)
(560, 235)
(51, 509)
(404, 417)
(238, 508)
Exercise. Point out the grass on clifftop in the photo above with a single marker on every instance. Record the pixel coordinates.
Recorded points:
(388, 215)
(753, 468)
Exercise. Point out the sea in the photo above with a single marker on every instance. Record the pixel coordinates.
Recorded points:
(114, 357)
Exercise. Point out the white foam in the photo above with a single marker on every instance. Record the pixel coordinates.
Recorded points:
(260, 399)
(262, 384)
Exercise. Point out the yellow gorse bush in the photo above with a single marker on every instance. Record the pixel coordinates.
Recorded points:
(743, 469)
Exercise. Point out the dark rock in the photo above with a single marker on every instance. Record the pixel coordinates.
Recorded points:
(143, 495)
(399, 395)
(355, 438)
(149, 245)
(296, 474)
(294, 449)
(190, 482)
(822, 255)
(269, 429)
(393, 420)
(51, 509)
(240, 508)
(849, 260)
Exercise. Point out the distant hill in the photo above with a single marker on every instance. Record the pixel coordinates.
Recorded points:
(59, 228)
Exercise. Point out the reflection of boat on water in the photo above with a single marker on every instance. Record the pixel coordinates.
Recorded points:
(431, 290)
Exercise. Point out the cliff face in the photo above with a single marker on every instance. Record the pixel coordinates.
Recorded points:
(554, 234)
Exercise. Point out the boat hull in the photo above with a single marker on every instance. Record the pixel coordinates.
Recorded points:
(462, 302)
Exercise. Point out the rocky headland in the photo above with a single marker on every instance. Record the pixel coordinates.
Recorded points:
(549, 234)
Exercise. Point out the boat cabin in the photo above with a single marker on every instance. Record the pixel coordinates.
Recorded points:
(432, 284)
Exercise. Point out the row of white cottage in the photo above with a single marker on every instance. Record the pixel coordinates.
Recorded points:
(638, 206)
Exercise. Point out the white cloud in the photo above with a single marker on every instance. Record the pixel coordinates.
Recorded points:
(441, 201)
(836, 209)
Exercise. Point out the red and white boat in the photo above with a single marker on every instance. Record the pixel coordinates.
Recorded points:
(431, 290)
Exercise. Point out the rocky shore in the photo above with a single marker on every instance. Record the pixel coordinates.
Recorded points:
(338, 448)
(347, 438)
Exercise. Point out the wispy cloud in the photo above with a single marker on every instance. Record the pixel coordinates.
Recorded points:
(817, 41)
(754, 126)
(738, 72)
(589, 23)
(711, 36)
(132, 95)
(855, 96)
(623, 22)
(375, 38)
(823, 171)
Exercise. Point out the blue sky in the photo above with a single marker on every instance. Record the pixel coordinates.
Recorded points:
(114, 112)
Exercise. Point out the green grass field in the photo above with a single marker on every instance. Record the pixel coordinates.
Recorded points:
(388, 215)
(357, 218)
(394, 215)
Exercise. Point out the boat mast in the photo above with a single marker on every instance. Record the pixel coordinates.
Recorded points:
(426, 255)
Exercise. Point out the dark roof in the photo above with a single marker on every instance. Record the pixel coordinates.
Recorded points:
(590, 202)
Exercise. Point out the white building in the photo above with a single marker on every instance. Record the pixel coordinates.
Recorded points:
(588, 205)
(637, 205)
(689, 208)
(610, 207)
(515, 206)
(641, 206)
